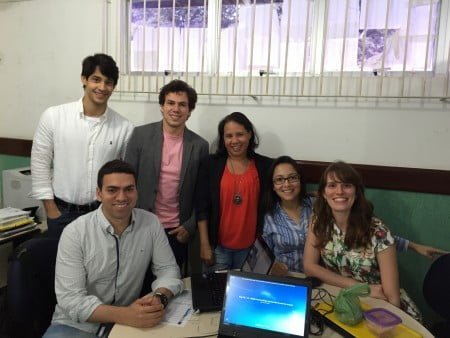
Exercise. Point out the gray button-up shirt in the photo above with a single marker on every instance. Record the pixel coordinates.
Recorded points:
(94, 266)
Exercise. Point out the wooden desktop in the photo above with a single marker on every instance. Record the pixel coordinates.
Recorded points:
(207, 324)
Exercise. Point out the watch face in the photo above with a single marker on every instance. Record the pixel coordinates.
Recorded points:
(163, 298)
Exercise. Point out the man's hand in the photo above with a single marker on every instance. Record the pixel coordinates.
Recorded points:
(51, 209)
(425, 250)
(181, 233)
(144, 312)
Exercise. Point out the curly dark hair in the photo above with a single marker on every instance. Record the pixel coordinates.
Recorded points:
(177, 86)
(359, 231)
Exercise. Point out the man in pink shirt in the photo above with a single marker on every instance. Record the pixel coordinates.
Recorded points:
(166, 157)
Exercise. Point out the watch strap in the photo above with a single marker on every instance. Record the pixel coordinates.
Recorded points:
(163, 298)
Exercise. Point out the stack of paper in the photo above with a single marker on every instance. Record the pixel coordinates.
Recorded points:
(14, 220)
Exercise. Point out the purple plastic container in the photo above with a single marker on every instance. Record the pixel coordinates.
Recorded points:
(381, 321)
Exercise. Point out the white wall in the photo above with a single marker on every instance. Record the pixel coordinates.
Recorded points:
(42, 43)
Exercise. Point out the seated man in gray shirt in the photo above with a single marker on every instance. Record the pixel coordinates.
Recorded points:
(102, 260)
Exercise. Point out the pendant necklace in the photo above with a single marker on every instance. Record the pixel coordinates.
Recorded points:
(237, 197)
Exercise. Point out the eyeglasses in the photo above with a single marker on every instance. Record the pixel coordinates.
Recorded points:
(279, 180)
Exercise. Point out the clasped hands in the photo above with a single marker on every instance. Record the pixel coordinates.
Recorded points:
(145, 312)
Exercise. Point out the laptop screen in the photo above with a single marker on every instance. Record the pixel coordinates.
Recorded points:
(259, 259)
(258, 305)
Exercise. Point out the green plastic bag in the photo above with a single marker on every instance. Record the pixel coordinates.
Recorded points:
(347, 306)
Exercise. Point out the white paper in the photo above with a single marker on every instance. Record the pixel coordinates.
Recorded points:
(11, 213)
(180, 309)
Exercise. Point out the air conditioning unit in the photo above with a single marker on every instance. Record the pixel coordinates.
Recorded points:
(17, 187)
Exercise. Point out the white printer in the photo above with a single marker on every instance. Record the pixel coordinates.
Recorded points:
(17, 187)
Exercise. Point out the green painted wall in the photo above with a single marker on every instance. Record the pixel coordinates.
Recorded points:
(11, 162)
(422, 218)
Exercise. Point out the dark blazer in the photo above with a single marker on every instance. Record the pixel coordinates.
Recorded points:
(207, 202)
(144, 151)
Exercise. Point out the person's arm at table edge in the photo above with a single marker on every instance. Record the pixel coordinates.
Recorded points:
(143, 312)
(387, 262)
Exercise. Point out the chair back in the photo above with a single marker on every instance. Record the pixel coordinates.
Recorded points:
(436, 286)
(31, 286)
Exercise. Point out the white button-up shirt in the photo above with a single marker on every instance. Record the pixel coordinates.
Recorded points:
(94, 266)
(77, 145)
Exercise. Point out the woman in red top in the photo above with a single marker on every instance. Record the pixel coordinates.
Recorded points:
(230, 186)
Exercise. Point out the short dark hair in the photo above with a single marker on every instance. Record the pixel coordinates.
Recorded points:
(241, 119)
(104, 62)
(177, 86)
(115, 166)
(270, 196)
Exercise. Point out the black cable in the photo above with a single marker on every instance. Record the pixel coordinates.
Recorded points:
(316, 325)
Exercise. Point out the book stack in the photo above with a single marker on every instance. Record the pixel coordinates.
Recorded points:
(13, 220)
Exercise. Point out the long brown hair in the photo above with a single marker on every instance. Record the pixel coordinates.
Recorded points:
(358, 233)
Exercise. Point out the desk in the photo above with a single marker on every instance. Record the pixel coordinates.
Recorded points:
(207, 324)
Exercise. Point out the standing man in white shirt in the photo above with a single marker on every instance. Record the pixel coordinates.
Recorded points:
(72, 142)
(102, 260)
(166, 156)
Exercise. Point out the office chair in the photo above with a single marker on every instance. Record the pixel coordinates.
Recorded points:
(437, 294)
(30, 292)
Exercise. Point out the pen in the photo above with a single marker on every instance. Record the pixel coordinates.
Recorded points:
(184, 316)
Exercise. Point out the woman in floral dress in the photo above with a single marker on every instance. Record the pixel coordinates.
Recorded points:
(353, 245)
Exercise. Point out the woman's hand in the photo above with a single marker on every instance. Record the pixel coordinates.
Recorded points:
(206, 254)
(376, 291)
(279, 269)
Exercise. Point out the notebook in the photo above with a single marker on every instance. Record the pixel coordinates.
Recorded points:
(264, 306)
(208, 289)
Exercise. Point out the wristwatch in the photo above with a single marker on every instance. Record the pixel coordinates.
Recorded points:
(163, 298)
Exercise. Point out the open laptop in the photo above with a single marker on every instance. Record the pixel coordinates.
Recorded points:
(208, 289)
(265, 306)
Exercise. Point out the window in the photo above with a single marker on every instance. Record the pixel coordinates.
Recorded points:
(285, 47)
(167, 35)
(384, 34)
(179, 35)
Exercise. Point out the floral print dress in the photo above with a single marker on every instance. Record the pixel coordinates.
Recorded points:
(361, 263)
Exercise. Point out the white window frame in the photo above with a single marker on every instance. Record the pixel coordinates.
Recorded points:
(318, 84)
